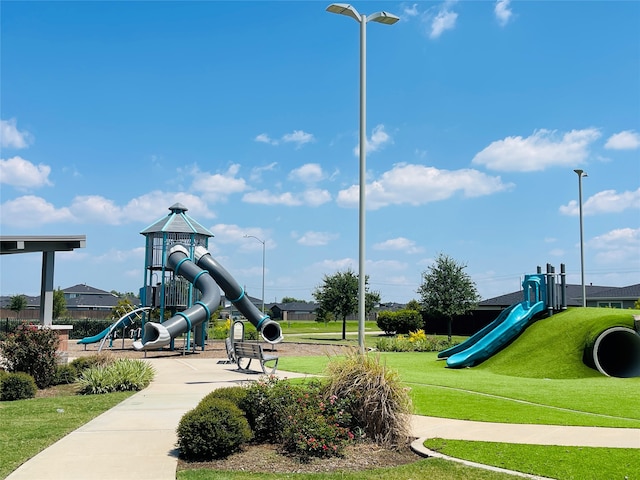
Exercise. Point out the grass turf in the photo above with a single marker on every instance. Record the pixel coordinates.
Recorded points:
(28, 426)
(561, 463)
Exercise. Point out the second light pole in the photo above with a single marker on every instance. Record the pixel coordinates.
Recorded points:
(263, 253)
(581, 173)
(387, 19)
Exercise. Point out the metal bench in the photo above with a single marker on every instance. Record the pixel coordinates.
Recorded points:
(245, 352)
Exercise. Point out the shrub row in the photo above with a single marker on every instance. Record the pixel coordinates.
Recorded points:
(400, 322)
(414, 342)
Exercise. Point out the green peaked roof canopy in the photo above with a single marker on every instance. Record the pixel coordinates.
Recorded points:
(177, 222)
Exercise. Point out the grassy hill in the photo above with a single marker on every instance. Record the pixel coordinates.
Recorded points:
(553, 347)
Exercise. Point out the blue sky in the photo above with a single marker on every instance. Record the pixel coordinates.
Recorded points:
(247, 113)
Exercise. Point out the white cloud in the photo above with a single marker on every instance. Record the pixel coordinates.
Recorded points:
(96, 209)
(298, 137)
(11, 137)
(607, 201)
(399, 244)
(626, 140)
(316, 239)
(411, 11)
(314, 197)
(417, 185)
(341, 264)
(31, 211)
(379, 138)
(311, 197)
(308, 173)
(503, 12)
(23, 174)
(620, 246)
(541, 150)
(265, 138)
(217, 187)
(444, 20)
(256, 172)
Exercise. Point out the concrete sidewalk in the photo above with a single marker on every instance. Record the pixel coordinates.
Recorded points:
(136, 439)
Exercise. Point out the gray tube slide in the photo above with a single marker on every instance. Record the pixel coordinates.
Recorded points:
(158, 335)
(269, 329)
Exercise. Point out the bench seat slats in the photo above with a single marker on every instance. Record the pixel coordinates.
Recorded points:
(253, 351)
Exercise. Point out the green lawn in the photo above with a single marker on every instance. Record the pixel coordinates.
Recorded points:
(562, 463)
(29, 426)
(540, 379)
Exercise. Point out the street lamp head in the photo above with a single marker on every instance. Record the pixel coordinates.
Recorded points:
(344, 9)
(581, 173)
(383, 17)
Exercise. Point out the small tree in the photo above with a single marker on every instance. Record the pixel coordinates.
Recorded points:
(338, 296)
(17, 304)
(123, 307)
(59, 304)
(446, 290)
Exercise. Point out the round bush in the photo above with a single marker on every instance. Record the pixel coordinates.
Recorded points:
(65, 374)
(214, 430)
(17, 386)
(235, 395)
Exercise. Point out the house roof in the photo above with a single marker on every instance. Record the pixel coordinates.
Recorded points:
(573, 295)
(296, 307)
(177, 221)
(83, 289)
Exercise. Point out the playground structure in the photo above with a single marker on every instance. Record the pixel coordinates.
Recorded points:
(206, 275)
(182, 286)
(614, 353)
(509, 324)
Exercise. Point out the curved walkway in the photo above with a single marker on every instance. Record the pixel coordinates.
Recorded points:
(136, 439)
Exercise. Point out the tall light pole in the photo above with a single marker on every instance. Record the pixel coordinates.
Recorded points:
(581, 173)
(387, 19)
(263, 244)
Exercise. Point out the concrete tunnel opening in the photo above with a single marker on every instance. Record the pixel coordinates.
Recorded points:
(616, 353)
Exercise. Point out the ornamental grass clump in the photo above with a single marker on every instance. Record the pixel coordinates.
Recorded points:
(122, 375)
(379, 404)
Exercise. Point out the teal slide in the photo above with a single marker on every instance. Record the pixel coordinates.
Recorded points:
(123, 321)
(477, 348)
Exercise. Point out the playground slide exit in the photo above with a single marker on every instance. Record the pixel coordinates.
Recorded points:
(158, 335)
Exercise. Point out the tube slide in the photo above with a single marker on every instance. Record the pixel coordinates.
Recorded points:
(158, 335)
(123, 321)
(269, 329)
(508, 328)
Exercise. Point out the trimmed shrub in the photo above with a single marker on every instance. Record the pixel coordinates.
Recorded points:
(379, 403)
(97, 360)
(65, 374)
(401, 322)
(235, 395)
(214, 430)
(415, 342)
(17, 386)
(124, 374)
(33, 351)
